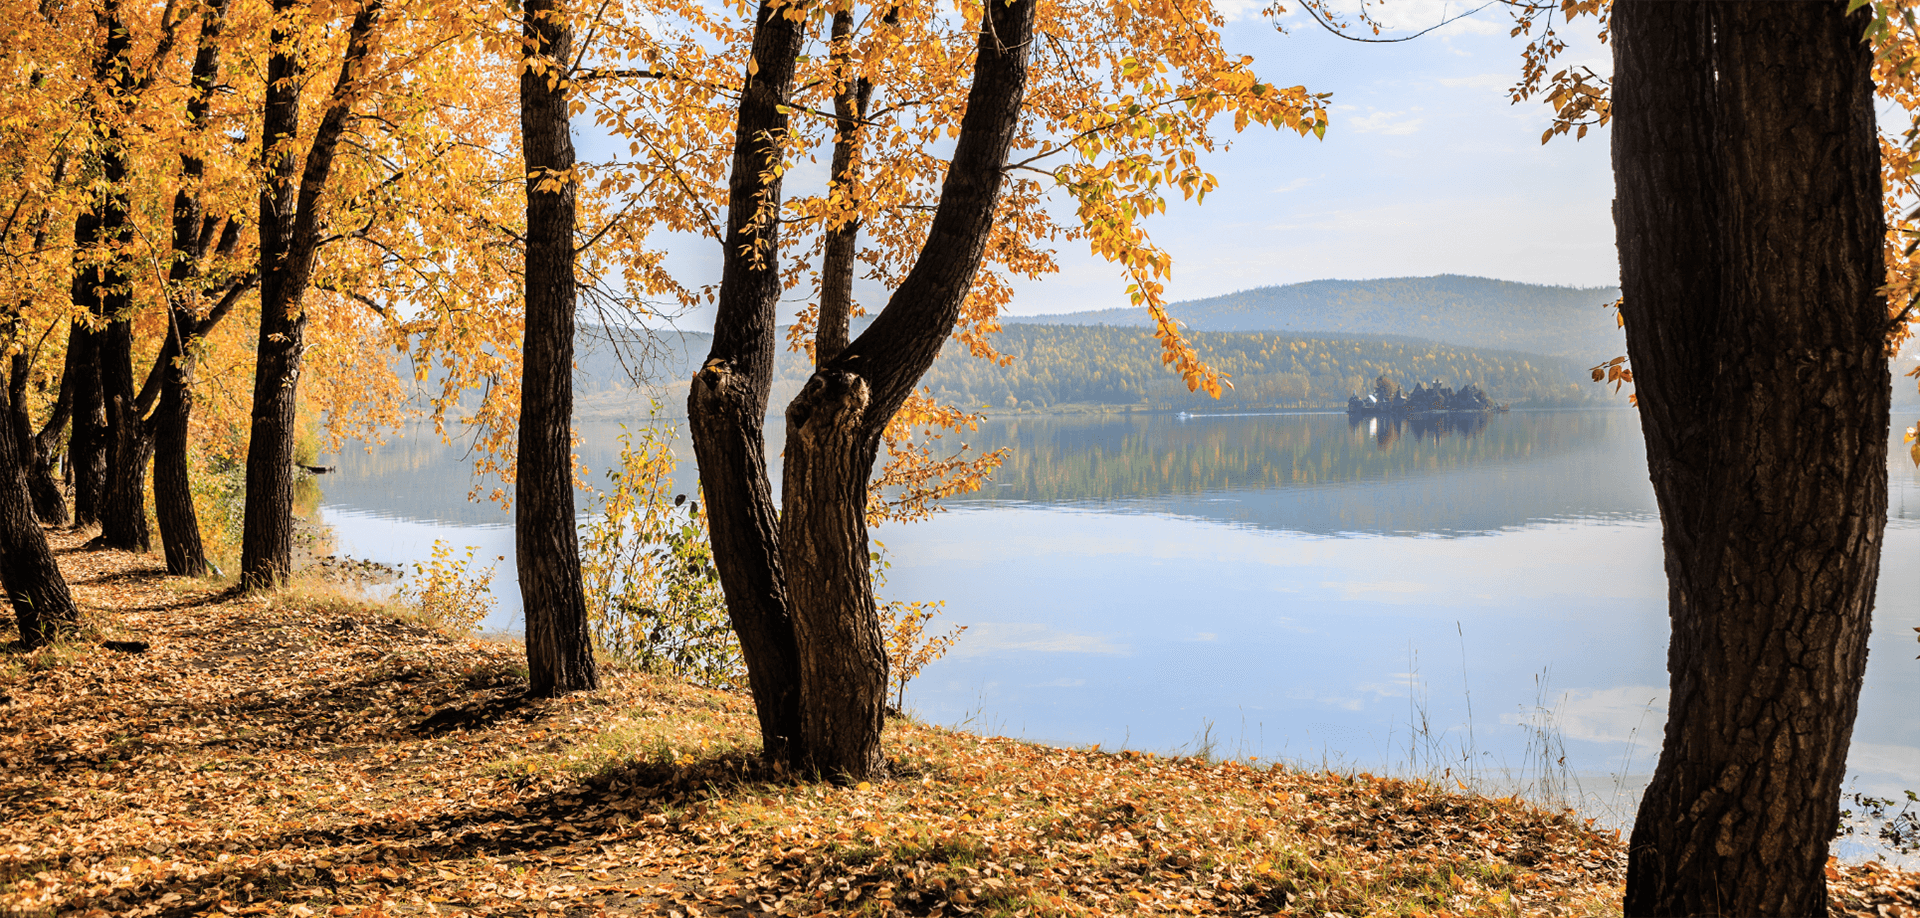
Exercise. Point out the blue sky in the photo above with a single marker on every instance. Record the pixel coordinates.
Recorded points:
(1425, 169)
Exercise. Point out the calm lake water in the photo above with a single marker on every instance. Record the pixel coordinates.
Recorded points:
(1482, 598)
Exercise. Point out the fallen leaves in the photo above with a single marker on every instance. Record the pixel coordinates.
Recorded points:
(307, 756)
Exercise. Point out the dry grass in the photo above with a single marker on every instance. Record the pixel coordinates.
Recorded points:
(308, 754)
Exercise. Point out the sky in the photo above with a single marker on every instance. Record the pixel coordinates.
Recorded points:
(1426, 168)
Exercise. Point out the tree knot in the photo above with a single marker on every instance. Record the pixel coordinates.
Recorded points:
(832, 399)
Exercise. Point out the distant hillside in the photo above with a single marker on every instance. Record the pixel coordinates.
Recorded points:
(1056, 365)
(1468, 311)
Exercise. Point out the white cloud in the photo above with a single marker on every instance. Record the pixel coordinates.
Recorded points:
(1482, 81)
(1609, 715)
(1351, 589)
(987, 636)
(1378, 122)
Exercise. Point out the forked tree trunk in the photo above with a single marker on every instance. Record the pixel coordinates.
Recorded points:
(559, 646)
(727, 402)
(835, 424)
(289, 236)
(1750, 233)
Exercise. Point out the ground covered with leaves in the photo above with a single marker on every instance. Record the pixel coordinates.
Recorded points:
(306, 754)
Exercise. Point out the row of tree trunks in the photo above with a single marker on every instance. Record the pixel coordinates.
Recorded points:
(1750, 230)
(559, 647)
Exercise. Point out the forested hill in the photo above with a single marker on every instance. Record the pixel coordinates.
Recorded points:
(1467, 311)
(1055, 366)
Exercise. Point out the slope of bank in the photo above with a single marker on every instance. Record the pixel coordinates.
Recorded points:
(305, 754)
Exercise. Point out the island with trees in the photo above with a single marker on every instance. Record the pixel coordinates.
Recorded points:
(1387, 399)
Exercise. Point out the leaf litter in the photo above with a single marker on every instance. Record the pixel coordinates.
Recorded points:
(307, 754)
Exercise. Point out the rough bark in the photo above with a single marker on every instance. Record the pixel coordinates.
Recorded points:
(87, 446)
(559, 646)
(727, 402)
(42, 606)
(836, 262)
(289, 235)
(39, 454)
(1749, 224)
(172, 485)
(122, 509)
(834, 425)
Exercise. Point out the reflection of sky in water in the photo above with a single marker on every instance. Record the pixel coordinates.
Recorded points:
(1322, 620)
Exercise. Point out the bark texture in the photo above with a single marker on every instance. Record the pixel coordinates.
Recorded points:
(559, 646)
(834, 425)
(1750, 233)
(727, 402)
(42, 606)
(836, 262)
(289, 234)
(172, 485)
(122, 508)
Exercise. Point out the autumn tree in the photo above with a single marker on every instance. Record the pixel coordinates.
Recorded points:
(1113, 111)
(559, 647)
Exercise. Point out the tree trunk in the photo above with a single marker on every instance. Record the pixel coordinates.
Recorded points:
(49, 506)
(727, 402)
(39, 453)
(836, 262)
(289, 227)
(123, 510)
(834, 425)
(42, 606)
(87, 446)
(172, 483)
(559, 646)
(1750, 233)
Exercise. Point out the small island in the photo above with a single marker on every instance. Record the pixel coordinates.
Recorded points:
(1388, 400)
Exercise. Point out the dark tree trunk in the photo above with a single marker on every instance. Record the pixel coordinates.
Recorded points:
(122, 510)
(1750, 232)
(559, 646)
(727, 403)
(87, 446)
(49, 503)
(42, 607)
(836, 263)
(172, 484)
(289, 227)
(834, 425)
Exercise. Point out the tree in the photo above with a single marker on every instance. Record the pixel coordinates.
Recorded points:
(289, 238)
(559, 646)
(1115, 110)
(1750, 231)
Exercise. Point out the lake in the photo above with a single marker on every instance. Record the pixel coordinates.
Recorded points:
(1481, 599)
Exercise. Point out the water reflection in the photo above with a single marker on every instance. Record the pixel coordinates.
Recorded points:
(1385, 429)
(1325, 474)
(1300, 585)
